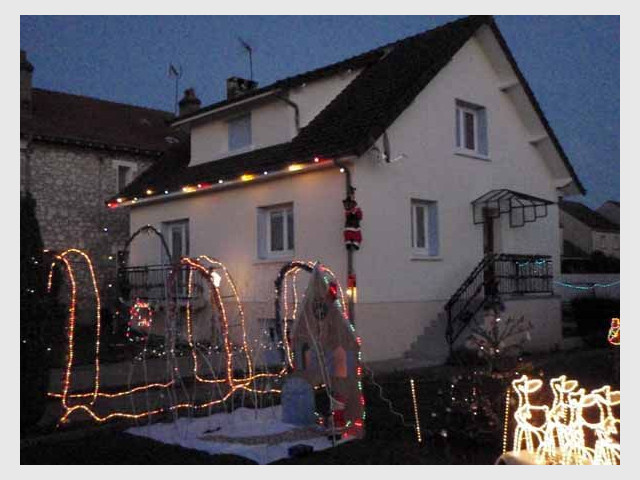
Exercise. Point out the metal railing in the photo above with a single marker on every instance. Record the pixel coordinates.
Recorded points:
(496, 275)
(150, 282)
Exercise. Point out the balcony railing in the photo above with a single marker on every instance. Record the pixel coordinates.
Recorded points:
(153, 282)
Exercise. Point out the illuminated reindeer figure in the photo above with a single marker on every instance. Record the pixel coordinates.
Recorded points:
(527, 434)
(606, 448)
(558, 431)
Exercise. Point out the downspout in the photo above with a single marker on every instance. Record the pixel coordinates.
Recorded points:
(350, 269)
(296, 109)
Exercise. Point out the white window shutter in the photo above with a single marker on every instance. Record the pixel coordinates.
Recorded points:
(483, 140)
(432, 230)
(458, 127)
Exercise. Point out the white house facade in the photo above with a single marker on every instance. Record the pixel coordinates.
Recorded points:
(453, 167)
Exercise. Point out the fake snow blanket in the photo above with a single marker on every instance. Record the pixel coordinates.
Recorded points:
(259, 435)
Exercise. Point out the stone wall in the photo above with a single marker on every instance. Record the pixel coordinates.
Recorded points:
(70, 185)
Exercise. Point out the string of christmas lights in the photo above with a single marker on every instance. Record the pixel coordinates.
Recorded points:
(204, 186)
(583, 287)
(415, 410)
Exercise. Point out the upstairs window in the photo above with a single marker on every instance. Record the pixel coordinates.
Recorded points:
(125, 171)
(424, 228)
(275, 231)
(239, 132)
(471, 128)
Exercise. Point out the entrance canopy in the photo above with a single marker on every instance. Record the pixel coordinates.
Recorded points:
(520, 207)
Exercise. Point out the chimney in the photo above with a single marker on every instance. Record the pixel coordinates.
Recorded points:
(236, 86)
(26, 74)
(189, 103)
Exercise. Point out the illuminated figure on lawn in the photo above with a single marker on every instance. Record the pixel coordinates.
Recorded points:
(326, 352)
(580, 428)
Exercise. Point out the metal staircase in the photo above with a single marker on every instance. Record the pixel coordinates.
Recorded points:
(478, 289)
(497, 275)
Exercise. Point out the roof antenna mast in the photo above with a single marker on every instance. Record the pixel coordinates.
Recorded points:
(249, 50)
(177, 74)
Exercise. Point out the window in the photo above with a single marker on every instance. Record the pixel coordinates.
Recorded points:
(275, 231)
(471, 128)
(239, 132)
(424, 228)
(125, 172)
(616, 242)
(602, 242)
(176, 234)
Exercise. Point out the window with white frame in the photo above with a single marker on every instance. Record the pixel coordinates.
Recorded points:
(424, 228)
(471, 128)
(176, 234)
(276, 231)
(125, 172)
(239, 132)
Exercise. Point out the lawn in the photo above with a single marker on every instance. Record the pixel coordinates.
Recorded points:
(450, 437)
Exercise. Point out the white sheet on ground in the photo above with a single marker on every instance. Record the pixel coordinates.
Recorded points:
(242, 422)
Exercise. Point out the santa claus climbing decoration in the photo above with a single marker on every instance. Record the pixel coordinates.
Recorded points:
(353, 216)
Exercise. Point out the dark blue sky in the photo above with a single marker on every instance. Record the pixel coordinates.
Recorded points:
(571, 63)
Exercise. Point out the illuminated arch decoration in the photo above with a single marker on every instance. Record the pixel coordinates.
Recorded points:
(239, 374)
(291, 269)
(63, 259)
(580, 427)
(614, 332)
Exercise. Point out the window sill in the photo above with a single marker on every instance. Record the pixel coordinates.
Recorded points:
(471, 154)
(271, 260)
(417, 257)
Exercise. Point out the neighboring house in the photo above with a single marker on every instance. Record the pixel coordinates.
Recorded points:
(610, 210)
(75, 151)
(451, 158)
(587, 231)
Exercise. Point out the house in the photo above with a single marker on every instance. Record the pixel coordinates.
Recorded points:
(75, 151)
(610, 210)
(455, 168)
(585, 230)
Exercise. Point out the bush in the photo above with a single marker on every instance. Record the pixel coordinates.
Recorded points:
(34, 308)
(593, 317)
(597, 262)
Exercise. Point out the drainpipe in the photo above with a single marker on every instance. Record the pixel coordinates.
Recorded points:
(295, 107)
(350, 269)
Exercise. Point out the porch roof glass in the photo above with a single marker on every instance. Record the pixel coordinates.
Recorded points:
(520, 207)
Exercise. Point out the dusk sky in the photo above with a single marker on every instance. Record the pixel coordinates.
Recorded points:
(571, 63)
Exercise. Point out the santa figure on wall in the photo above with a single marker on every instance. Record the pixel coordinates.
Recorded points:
(353, 216)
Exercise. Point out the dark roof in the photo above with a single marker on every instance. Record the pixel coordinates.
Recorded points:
(391, 78)
(570, 250)
(63, 117)
(589, 217)
(352, 63)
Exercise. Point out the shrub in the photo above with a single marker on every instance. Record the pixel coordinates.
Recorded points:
(34, 372)
(593, 317)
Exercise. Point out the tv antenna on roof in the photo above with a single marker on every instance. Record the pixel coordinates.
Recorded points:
(249, 50)
(175, 72)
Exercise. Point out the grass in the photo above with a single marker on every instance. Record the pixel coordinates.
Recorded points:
(387, 440)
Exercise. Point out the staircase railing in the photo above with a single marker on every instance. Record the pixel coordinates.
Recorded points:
(493, 276)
